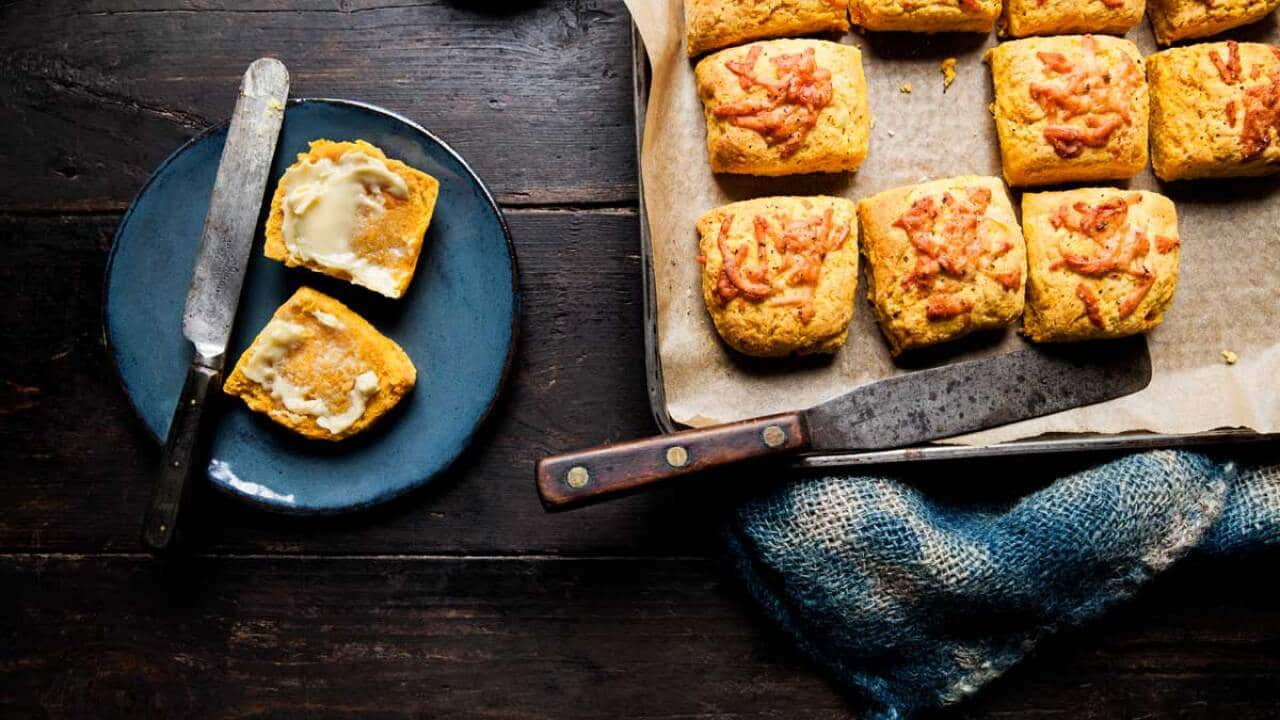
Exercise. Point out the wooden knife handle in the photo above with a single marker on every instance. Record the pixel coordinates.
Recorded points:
(586, 476)
(180, 461)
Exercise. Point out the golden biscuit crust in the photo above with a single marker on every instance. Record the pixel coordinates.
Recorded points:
(782, 107)
(1022, 18)
(1215, 110)
(1102, 263)
(715, 24)
(1174, 20)
(944, 259)
(779, 273)
(394, 241)
(328, 348)
(1070, 108)
(926, 15)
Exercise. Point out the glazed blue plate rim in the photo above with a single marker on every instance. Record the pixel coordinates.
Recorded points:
(257, 501)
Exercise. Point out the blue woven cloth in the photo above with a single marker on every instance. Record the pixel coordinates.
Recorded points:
(914, 595)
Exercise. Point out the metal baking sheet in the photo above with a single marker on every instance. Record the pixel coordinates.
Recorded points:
(1074, 443)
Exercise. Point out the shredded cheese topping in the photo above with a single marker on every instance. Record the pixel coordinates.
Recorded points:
(1260, 104)
(1092, 90)
(954, 240)
(1121, 250)
(784, 263)
(789, 107)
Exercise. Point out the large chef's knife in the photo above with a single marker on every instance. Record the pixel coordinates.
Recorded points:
(898, 412)
(229, 229)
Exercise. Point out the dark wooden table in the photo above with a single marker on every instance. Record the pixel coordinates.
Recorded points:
(465, 599)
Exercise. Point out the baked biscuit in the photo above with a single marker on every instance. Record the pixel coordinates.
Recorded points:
(1215, 110)
(1102, 263)
(344, 209)
(926, 15)
(1174, 20)
(944, 259)
(779, 273)
(782, 107)
(321, 370)
(714, 24)
(1070, 108)
(1063, 17)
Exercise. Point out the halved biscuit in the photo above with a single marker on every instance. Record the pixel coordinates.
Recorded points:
(344, 209)
(321, 370)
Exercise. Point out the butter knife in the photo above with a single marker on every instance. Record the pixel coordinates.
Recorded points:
(225, 243)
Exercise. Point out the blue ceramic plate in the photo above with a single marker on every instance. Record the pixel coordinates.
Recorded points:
(457, 321)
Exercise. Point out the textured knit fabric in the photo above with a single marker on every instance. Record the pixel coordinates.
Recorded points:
(914, 599)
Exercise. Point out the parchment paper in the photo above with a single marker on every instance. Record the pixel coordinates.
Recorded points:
(1228, 295)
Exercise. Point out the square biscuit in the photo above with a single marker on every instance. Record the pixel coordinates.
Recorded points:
(715, 24)
(1070, 108)
(1023, 18)
(1215, 110)
(784, 107)
(944, 259)
(779, 273)
(321, 370)
(376, 240)
(1174, 20)
(1102, 263)
(926, 15)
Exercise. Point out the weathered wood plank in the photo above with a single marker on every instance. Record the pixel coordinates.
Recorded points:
(537, 97)
(471, 638)
(78, 463)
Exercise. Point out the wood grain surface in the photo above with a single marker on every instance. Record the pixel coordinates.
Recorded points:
(465, 599)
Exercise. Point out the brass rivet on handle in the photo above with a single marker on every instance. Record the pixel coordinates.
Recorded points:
(677, 456)
(577, 477)
(773, 436)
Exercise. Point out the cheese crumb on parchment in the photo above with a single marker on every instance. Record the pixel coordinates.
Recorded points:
(1230, 357)
(906, 88)
(948, 73)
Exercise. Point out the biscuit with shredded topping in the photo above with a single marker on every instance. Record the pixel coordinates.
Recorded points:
(779, 273)
(1102, 263)
(944, 259)
(1070, 109)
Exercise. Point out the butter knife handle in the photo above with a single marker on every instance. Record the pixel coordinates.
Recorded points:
(179, 461)
(586, 476)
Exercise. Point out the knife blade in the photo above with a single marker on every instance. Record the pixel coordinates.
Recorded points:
(223, 255)
(901, 411)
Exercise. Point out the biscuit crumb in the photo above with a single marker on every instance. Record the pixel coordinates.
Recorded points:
(948, 73)
(1230, 357)
(905, 89)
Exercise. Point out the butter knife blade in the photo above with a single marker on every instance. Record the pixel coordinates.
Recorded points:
(231, 223)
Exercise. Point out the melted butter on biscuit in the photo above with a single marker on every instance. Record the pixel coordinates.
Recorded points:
(327, 204)
(328, 319)
(278, 339)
